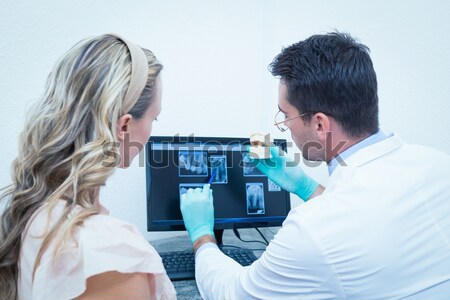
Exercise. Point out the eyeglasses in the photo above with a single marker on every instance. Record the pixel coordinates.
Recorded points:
(281, 123)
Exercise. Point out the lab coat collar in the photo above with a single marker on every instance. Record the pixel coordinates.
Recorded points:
(341, 157)
(373, 151)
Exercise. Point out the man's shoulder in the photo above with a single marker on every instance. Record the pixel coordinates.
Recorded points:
(423, 161)
(416, 149)
(391, 157)
(428, 151)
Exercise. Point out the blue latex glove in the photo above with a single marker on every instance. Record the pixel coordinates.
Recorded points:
(198, 212)
(286, 173)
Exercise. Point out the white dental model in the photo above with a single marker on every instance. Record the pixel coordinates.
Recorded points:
(259, 146)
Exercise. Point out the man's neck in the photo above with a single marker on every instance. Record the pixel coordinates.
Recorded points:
(338, 142)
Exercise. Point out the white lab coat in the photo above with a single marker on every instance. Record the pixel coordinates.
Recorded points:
(381, 230)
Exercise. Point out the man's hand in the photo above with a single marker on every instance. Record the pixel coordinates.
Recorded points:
(198, 212)
(286, 173)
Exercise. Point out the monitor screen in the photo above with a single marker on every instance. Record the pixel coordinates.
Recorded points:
(243, 196)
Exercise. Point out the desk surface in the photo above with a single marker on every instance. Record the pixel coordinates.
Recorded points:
(187, 289)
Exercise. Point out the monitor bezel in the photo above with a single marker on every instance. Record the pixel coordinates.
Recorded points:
(218, 223)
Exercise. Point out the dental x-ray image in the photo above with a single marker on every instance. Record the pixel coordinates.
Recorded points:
(248, 168)
(255, 199)
(192, 163)
(218, 165)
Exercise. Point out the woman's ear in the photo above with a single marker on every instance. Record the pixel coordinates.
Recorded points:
(123, 126)
(322, 125)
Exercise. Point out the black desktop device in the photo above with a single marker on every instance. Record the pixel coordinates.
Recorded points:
(243, 196)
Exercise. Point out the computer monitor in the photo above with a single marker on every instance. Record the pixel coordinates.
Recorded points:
(243, 196)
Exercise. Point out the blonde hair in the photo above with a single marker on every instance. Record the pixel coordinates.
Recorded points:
(61, 149)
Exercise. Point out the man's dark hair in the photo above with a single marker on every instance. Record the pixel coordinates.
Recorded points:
(333, 74)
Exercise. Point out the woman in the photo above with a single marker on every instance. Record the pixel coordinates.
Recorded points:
(56, 239)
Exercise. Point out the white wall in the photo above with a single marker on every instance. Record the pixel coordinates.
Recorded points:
(215, 56)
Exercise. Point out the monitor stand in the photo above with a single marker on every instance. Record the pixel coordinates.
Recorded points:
(218, 233)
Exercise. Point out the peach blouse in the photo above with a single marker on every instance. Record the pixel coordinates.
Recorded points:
(103, 243)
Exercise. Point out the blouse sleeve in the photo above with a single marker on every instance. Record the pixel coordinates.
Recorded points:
(102, 244)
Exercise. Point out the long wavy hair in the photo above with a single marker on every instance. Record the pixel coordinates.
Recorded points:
(61, 149)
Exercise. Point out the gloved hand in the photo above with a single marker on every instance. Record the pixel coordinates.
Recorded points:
(198, 212)
(286, 173)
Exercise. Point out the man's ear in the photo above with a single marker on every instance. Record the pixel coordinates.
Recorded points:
(322, 125)
(123, 126)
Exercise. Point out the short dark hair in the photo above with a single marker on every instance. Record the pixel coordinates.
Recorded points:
(333, 74)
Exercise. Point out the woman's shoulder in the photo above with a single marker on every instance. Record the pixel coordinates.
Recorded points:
(99, 231)
(104, 239)
(108, 234)
(109, 226)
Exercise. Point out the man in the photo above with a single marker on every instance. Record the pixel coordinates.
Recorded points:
(380, 230)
